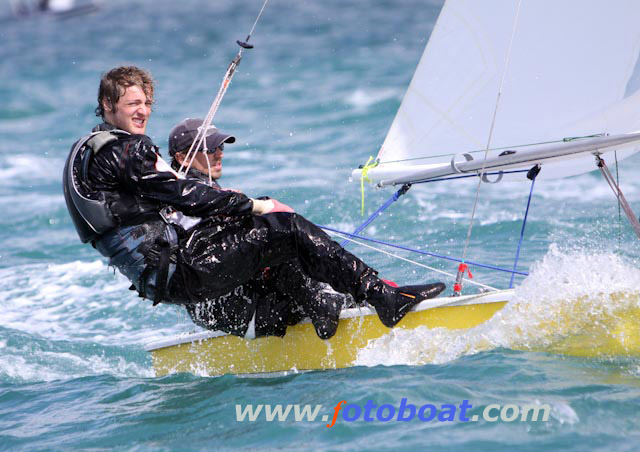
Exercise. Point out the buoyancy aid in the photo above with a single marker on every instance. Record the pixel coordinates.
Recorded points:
(97, 217)
(94, 209)
(91, 217)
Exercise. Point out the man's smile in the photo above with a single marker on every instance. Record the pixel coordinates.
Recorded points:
(139, 121)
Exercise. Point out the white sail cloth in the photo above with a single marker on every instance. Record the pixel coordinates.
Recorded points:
(564, 68)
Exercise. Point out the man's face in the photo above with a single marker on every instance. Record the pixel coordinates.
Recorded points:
(213, 167)
(132, 111)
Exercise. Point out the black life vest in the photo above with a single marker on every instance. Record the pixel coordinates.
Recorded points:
(91, 217)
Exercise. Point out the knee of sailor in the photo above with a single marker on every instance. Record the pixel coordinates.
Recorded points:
(299, 221)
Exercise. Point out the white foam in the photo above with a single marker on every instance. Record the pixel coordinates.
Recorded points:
(565, 294)
(49, 366)
(83, 303)
(563, 413)
(80, 300)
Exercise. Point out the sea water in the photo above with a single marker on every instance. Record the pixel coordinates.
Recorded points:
(313, 100)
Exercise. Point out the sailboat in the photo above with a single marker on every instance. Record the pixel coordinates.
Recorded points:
(506, 90)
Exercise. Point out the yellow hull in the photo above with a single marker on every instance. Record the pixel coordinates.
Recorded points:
(214, 353)
(615, 333)
(301, 349)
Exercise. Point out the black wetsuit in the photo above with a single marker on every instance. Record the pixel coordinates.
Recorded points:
(229, 248)
(284, 295)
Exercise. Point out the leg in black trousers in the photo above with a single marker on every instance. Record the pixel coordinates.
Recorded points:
(224, 256)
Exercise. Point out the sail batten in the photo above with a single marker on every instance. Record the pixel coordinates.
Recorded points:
(570, 71)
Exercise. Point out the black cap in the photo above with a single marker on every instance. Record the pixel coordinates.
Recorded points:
(183, 134)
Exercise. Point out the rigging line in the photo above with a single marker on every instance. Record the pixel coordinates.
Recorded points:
(264, 5)
(199, 140)
(534, 172)
(209, 171)
(425, 253)
(378, 212)
(419, 264)
(615, 153)
(440, 179)
(493, 121)
(202, 130)
(635, 224)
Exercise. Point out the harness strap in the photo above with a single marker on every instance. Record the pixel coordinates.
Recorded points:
(162, 270)
(142, 282)
(161, 253)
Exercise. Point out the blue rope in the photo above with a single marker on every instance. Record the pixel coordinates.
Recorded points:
(401, 192)
(426, 253)
(524, 223)
(378, 212)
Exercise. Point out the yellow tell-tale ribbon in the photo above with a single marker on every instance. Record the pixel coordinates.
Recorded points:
(363, 177)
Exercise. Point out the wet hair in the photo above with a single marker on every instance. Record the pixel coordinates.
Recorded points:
(114, 83)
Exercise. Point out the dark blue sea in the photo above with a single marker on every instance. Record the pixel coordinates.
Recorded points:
(313, 100)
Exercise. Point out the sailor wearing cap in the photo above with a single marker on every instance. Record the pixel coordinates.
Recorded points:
(283, 293)
(208, 161)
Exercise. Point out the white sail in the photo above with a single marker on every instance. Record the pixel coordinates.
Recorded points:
(563, 68)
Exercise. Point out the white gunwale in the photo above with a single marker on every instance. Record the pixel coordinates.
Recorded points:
(482, 298)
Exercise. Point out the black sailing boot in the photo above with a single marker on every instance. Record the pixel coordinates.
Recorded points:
(392, 303)
(325, 311)
(313, 299)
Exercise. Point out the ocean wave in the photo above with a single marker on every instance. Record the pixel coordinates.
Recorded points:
(39, 364)
(20, 170)
(362, 98)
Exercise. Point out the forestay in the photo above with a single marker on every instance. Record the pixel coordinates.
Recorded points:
(563, 69)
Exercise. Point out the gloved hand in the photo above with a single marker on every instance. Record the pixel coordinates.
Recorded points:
(264, 206)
